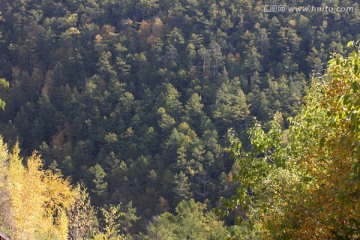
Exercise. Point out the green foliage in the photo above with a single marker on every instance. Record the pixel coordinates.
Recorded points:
(191, 221)
(98, 183)
(230, 106)
(303, 182)
(135, 98)
(3, 84)
(116, 221)
(182, 186)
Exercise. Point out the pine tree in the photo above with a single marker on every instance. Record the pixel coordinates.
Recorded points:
(97, 182)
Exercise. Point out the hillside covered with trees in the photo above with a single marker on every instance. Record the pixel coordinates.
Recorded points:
(132, 101)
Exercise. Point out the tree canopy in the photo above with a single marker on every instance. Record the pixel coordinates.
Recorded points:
(134, 99)
(303, 182)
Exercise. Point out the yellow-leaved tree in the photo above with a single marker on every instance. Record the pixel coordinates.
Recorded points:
(34, 201)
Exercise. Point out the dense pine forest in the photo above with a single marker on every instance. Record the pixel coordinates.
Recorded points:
(179, 119)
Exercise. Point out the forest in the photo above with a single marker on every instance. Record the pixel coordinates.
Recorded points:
(179, 119)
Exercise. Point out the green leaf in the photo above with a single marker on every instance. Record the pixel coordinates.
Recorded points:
(356, 68)
(355, 86)
(322, 142)
(4, 83)
(350, 44)
(2, 104)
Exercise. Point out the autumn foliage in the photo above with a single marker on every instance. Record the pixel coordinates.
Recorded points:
(304, 182)
(34, 202)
